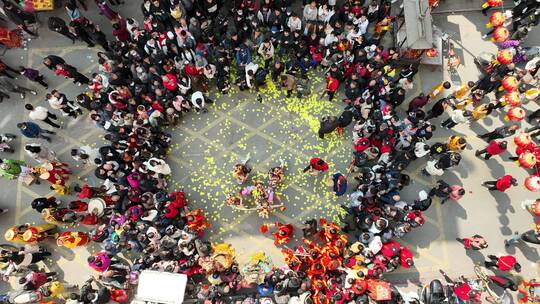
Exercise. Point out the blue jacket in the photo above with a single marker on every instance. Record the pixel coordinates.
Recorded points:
(243, 56)
(32, 130)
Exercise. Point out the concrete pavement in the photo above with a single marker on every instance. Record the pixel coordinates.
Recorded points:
(208, 145)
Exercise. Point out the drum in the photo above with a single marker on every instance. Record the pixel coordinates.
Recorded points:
(97, 204)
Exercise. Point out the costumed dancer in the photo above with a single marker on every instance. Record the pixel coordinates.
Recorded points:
(283, 233)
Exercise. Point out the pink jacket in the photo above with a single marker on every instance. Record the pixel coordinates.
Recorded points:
(454, 195)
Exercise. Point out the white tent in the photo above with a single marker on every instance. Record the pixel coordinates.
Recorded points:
(160, 287)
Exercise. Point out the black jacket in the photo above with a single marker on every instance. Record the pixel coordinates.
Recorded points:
(56, 24)
(55, 60)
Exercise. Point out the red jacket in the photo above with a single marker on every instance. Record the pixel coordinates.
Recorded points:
(191, 70)
(121, 33)
(406, 257)
(314, 163)
(494, 148)
(506, 262)
(332, 84)
(390, 249)
(171, 83)
(504, 183)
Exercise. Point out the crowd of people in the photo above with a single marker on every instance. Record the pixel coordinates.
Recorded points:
(159, 69)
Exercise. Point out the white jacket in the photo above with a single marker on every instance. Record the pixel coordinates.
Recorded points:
(197, 95)
(251, 67)
(458, 117)
(39, 113)
(295, 24)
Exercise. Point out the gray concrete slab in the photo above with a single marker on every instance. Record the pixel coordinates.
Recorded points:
(208, 145)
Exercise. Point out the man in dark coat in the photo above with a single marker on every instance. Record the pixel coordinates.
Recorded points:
(58, 25)
(327, 125)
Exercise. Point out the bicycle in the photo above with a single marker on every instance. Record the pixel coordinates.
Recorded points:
(492, 297)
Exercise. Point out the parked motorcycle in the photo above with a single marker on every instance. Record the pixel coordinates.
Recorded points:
(436, 293)
(530, 237)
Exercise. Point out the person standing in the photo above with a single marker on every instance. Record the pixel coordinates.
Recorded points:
(19, 17)
(59, 101)
(456, 143)
(42, 114)
(266, 50)
(98, 36)
(35, 280)
(441, 190)
(438, 108)
(332, 85)
(52, 61)
(516, 238)
(69, 71)
(456, 192)
(4, 69)
(456, 117)
(73, 11)
(502, 184)
(7, 85)
(81, 33)
(476, 242)
(106, 10)
(494, 148)
(33, 75)
(40, 153)
(59, 26)
(500, 132)
(439, 90)
(503, 263)
(32, 130)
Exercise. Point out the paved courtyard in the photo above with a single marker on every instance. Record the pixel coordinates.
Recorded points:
(207, 146)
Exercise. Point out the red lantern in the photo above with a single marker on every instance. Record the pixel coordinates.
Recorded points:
(505, 56)
(432, 52)
(535, 207)
(496, 19)
(522, 139)
(501, 34)
(515, 114)
(509, 83)
(527, 160)
(513, 99)
(494, 3)
(532, 183)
